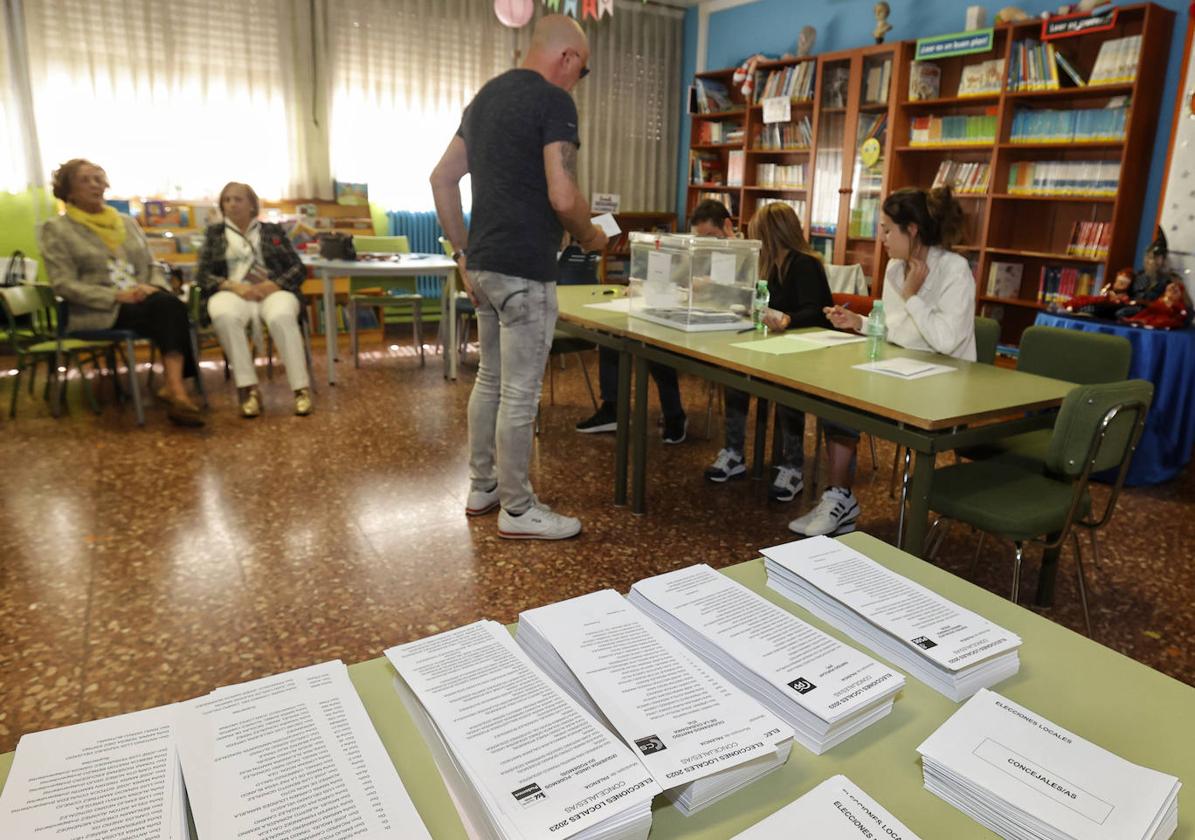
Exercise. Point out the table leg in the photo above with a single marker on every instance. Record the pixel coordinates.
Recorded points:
(450, 354)
(330, 324)
(761, 436)
(919, 487)
(639, 439)
(1047, 574)
(622, 435)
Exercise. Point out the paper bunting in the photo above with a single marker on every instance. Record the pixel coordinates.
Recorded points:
(554, 5)
(570, 7)
(589, 10)
(606, 7)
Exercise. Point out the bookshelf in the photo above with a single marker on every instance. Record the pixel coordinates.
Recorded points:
(1029, 223)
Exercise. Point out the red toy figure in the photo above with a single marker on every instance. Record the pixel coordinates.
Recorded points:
(1111, 297)
(1169, 312)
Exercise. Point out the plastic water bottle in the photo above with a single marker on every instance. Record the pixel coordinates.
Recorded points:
(759, 304)
(876, 331)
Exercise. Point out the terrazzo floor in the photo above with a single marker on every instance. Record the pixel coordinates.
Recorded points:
(145, 566)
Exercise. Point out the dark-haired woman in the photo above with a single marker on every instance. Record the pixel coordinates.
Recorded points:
(800, 294)
(929, 304)
(99, 263)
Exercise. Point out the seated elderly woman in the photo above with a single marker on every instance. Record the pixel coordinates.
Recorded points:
(99, 263)
(249, 272)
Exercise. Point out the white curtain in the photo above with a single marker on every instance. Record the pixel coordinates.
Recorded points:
(14, 163)
(171, 98)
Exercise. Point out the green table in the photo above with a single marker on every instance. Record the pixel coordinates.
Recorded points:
(976, 404)
(1119, 704)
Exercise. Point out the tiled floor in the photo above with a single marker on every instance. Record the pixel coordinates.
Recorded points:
(142, 566)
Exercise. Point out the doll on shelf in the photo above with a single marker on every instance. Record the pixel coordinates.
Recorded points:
(1108, 302)
(1150, 283)
(1169, 312)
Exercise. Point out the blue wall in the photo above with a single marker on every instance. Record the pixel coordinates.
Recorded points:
(771, 26)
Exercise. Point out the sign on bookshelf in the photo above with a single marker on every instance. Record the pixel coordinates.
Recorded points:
(777, 109)
(957, 43)
(1067, 26)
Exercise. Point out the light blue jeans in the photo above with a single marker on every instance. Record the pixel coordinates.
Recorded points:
(516, 318)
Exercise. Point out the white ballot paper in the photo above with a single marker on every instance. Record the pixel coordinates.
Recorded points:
(951, 649)
(837, 809)
(700, 737)
(827, 338)
(903, 367)
(1022, 776)
(293, 755)
(825, 690)
(607, 223)
(112, 778)
(519, 757)
(622, 304)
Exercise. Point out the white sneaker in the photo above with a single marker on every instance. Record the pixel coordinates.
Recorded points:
(729, 464)
(834, 514)
(481, 502)
(786, 485)
(538, 522)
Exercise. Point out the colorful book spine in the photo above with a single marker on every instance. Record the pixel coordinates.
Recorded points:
(962, 129)
(1064, 178)
(1088, 125)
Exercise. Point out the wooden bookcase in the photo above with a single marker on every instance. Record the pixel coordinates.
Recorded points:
(1000, 227)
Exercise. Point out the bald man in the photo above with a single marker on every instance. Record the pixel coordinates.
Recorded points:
(518, 140)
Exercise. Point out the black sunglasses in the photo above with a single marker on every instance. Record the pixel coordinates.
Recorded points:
(584, 67)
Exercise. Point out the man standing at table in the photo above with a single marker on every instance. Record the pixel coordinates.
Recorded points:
(518, 140)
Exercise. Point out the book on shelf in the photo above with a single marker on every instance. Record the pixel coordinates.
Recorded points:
(1032, 67)
(712, 97)
(875, 83)
(728, 200)
(865, 214)
(837, 84)
(981, 79)
(956, 129)
(711, 132)
(925, 80)
(779, 175)
(1004, 279)
(1086, 125)
(1117, 61)
(964, 177)
(794, 82)
(1064, 177)
(1059, 283)
(798, 205)
(735, 164)
(873, 128)
(1069, 70)
(704, 168)
(797, 134)
(1090, 240)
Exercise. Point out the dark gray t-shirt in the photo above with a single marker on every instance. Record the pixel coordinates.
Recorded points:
(514, 229)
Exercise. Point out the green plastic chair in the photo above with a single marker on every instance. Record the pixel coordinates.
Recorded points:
(1070, 355)
(1097, 429)
(399, 296)
(38, 343)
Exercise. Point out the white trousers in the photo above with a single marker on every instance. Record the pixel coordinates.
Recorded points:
(231, 317)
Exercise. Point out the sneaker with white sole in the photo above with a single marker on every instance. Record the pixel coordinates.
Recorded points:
(786, 485)
(538, 522)
(834, 514)
(605, 419)
(481, 502)
(675, 430)
(729, 464)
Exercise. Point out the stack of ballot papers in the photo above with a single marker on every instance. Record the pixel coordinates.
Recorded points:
(293, 755)
(519, 757)
(903, 367)
(116, 777)
(1022, 776)
(825, 690)
(699, 736)
(950, 649)
(837, 809)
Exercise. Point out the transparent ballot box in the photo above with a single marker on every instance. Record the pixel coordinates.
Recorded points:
(692, 283)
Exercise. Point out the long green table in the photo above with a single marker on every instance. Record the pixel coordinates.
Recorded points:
(975, 404)
(1119, 704)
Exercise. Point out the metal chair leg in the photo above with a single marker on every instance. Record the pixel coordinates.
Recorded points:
(138, 410)
(1082, 581)
(978, 550)
(353, 341)
(305, 330)
(904, 496)
(1095, 548)
(932, 538)
(16, 389)
(417, 323)
(895, 471)
(1016, 570)
(875, 464)
(153, 358)
(588, 383)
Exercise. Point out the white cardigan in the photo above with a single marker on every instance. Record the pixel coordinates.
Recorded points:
(941, 316)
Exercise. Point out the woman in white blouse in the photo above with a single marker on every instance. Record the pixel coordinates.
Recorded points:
(249, 273)
(929, 304)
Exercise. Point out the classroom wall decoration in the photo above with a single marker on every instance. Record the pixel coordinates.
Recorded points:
(588, 10)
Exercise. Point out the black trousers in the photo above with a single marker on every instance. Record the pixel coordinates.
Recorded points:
(162, 318)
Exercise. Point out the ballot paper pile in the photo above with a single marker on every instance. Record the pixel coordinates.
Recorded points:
(293, 755)
(837, 809)
(1022, 776)
(699, 736)
(825, 690)
(520, 759)
(950, 649)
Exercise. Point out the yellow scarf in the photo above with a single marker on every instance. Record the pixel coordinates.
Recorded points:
(106, 224)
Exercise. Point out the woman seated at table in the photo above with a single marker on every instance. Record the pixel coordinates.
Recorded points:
(98, 262)
(249, 272)
(800, 294)
(929, 304)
